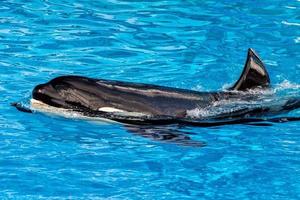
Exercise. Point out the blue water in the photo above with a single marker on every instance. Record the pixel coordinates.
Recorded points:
(190, 44)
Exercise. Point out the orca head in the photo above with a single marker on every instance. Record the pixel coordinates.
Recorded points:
(47, 94)
(62, 92)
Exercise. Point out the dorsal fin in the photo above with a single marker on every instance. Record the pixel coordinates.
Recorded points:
(254, 74)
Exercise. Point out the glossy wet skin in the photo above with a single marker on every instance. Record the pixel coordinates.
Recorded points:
(48, 95)
(74, 92)
(91, 95)
(164, 105)
(117, 100)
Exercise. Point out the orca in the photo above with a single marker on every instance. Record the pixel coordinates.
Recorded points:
(147, 104)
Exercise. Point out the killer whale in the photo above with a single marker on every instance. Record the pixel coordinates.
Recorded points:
(144, 104)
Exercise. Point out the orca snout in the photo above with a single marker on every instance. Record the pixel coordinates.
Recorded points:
(46, 94)
(38, 91)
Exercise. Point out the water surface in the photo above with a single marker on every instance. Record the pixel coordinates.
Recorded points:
(190, 44)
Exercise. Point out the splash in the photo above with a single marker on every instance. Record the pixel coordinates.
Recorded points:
(275, 97)
(290, 23)
(224, 107)
(286, 85)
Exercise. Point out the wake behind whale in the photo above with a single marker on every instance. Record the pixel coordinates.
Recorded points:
(249, 100)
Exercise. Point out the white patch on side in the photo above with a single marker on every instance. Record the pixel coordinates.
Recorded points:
(42, 107)
(110, 109)
(122, 112)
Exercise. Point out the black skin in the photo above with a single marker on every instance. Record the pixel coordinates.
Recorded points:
(75, 92)
(162, 105)
(87, 94)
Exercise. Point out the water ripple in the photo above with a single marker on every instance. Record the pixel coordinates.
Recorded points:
(189, 44)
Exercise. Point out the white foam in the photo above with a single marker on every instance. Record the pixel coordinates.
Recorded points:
(198, 113)
(291, 7)
(290, 23)
(217, 108)
(232, 105)
(286, 85)
(226, 86)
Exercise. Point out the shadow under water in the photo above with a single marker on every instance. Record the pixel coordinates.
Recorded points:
(169, 134)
